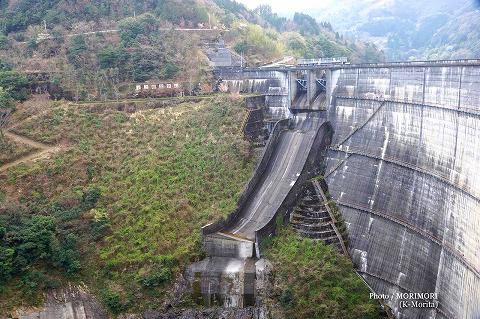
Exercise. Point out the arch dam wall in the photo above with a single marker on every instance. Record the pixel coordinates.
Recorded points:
(404, 167)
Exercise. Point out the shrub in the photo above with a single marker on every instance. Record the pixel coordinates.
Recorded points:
(67, 256)
(108, 58)
(90, 198)
(77, 47)
(3, 42)
(113, 301)
(6, 264)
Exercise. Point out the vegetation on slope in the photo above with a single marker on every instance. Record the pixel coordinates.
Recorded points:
(313, 280)
(104, 65)
(13, 87)
(129, 191)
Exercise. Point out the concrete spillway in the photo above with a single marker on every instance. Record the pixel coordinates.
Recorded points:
(283, 170)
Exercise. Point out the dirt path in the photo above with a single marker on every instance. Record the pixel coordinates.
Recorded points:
(43, 150)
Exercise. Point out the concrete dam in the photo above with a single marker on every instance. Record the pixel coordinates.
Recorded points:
(399, 147)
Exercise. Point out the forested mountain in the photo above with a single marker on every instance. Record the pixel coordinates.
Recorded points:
(407, 29)
(57, 36)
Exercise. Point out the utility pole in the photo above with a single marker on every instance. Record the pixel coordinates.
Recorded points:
(45, 26)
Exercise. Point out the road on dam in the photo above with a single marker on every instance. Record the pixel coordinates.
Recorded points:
(283, 170)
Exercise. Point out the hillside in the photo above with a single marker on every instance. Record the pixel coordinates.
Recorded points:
(115, 206)
(438, 29)
(97, 49)
(323, 286)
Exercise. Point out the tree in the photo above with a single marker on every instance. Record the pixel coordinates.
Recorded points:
(14, 84)
(3, 42)
(306, 24)
(131, 29)
(108, 58)
(6, 108)
(77, 47)
(265, 11)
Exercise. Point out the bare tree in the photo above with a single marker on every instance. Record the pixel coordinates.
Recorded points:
(6, 108)
(4, 117)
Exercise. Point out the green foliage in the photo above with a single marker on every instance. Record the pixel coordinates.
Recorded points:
(170, 70)
(6, 261)
(113, 301)
(29, 243)
(3, 42)
(160, 274)
(90, 198)
(314, 281)
(21, 14)
(231, 5)
(286, 299)
(322, 46)
(14, 86)
(75, 52)
(131, 29)
(6, 101)
(100, 224)
(177, 169)
(257, 43)
(184, 12)
(306, 24)
(150, 63)
(67, 255)
(279, 23)
(34, 282)
(296, 44)
(108, 58)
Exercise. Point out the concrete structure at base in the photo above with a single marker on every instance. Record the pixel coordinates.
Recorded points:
(404, 167)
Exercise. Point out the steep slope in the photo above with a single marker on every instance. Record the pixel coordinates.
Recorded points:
(115, 209)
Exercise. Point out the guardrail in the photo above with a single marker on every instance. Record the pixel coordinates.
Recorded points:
(334, 66)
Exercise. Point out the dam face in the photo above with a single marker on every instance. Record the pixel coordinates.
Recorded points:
(404, 168)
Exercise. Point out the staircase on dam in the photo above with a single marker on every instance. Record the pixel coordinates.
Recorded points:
(314, 217)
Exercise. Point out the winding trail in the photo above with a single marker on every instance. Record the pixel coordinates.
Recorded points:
(42, 150)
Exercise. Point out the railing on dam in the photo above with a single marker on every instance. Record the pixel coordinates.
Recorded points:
(432, 63)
